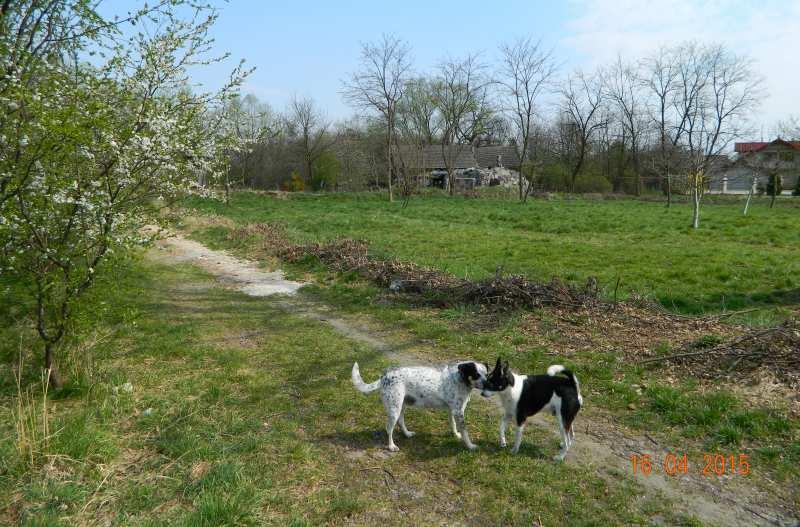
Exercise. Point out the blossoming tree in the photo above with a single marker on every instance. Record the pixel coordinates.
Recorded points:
(98, 128)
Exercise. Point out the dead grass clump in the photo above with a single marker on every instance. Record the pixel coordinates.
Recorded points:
(274, 240)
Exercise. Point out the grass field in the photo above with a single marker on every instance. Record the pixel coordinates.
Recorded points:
(227, 425)
(730, 263)
(240, 411)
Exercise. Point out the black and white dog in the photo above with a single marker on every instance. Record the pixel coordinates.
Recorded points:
(522, 396)
(447, 387)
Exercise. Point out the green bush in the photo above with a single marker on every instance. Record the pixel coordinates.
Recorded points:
(774, 185)
(592, 183)
(554, 177)
(326, 172)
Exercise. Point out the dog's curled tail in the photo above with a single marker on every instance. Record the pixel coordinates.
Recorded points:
(359, 383)
(555, 369)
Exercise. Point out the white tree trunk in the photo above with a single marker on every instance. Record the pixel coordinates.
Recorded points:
(747, 203)
(696, 209)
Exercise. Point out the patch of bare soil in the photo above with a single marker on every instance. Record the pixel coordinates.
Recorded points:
(600, 442)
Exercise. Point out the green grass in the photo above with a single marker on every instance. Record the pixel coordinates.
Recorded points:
(694, 416)
(731, 262)
(242, 414)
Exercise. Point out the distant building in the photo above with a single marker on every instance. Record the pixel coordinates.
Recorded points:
(753, 163)
(432, 157)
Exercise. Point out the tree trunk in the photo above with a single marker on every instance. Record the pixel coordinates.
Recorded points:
(451, 182)
(390, 158)
(747, 203)
(49, 364)
(696, 208)
(669, 189)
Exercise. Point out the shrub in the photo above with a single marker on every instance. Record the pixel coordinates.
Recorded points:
(592, 183)
(295, 183)
(326, 172)
(774, 185)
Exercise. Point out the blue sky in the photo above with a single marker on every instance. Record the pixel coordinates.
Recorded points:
(307, 47)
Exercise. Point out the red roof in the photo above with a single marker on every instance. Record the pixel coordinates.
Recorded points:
(755, 146)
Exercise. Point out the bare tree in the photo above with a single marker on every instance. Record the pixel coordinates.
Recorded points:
(379, 85)
(417, 116)
(727, 91)
(582, 99)
(251, 122)
(311, 127)
(661, 78)
(459, 91)
(789, 128)
(623, 89)
(525, 72)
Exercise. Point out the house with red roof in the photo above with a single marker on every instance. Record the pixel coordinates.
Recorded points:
(755, 161)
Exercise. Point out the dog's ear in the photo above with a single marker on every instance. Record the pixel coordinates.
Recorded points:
(468, 371)
(486, 365)
(498, 365)
(507, 373)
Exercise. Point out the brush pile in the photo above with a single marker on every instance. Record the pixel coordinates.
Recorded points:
(776, 348)
(499, 292)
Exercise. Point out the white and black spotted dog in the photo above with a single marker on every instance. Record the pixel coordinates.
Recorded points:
(522, 396)
(447, 387)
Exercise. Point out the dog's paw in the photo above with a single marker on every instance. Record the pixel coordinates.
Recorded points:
(503, 445)
(472, 447)
(458, 435)
(393, 448)
(559, 457)
(514, 450)
(409, 434)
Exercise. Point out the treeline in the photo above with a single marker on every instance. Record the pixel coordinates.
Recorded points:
(656, 122)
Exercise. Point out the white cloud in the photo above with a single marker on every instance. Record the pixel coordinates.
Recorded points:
(768, 32)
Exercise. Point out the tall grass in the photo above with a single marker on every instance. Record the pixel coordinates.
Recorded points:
(31, 417)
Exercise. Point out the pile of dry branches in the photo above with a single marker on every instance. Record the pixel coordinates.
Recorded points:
(776, 348)
(433, 286)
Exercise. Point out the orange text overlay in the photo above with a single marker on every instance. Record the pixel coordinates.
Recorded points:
(716, 464)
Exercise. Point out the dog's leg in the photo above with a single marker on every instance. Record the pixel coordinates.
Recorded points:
(571, 434)
(393, 402)
(459, 417)
(518, 438)
(402, 422)
(462, 425)
(453, 426)
(564, 439)
(503, 424)
(391, 421)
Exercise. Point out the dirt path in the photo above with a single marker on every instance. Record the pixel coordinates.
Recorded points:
(599, 443)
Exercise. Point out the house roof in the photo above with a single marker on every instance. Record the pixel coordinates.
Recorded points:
(755, 146)
(432, 156)
(487, 156)
(461, 156)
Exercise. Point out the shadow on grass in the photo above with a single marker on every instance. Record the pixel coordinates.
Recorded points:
(423, 446)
